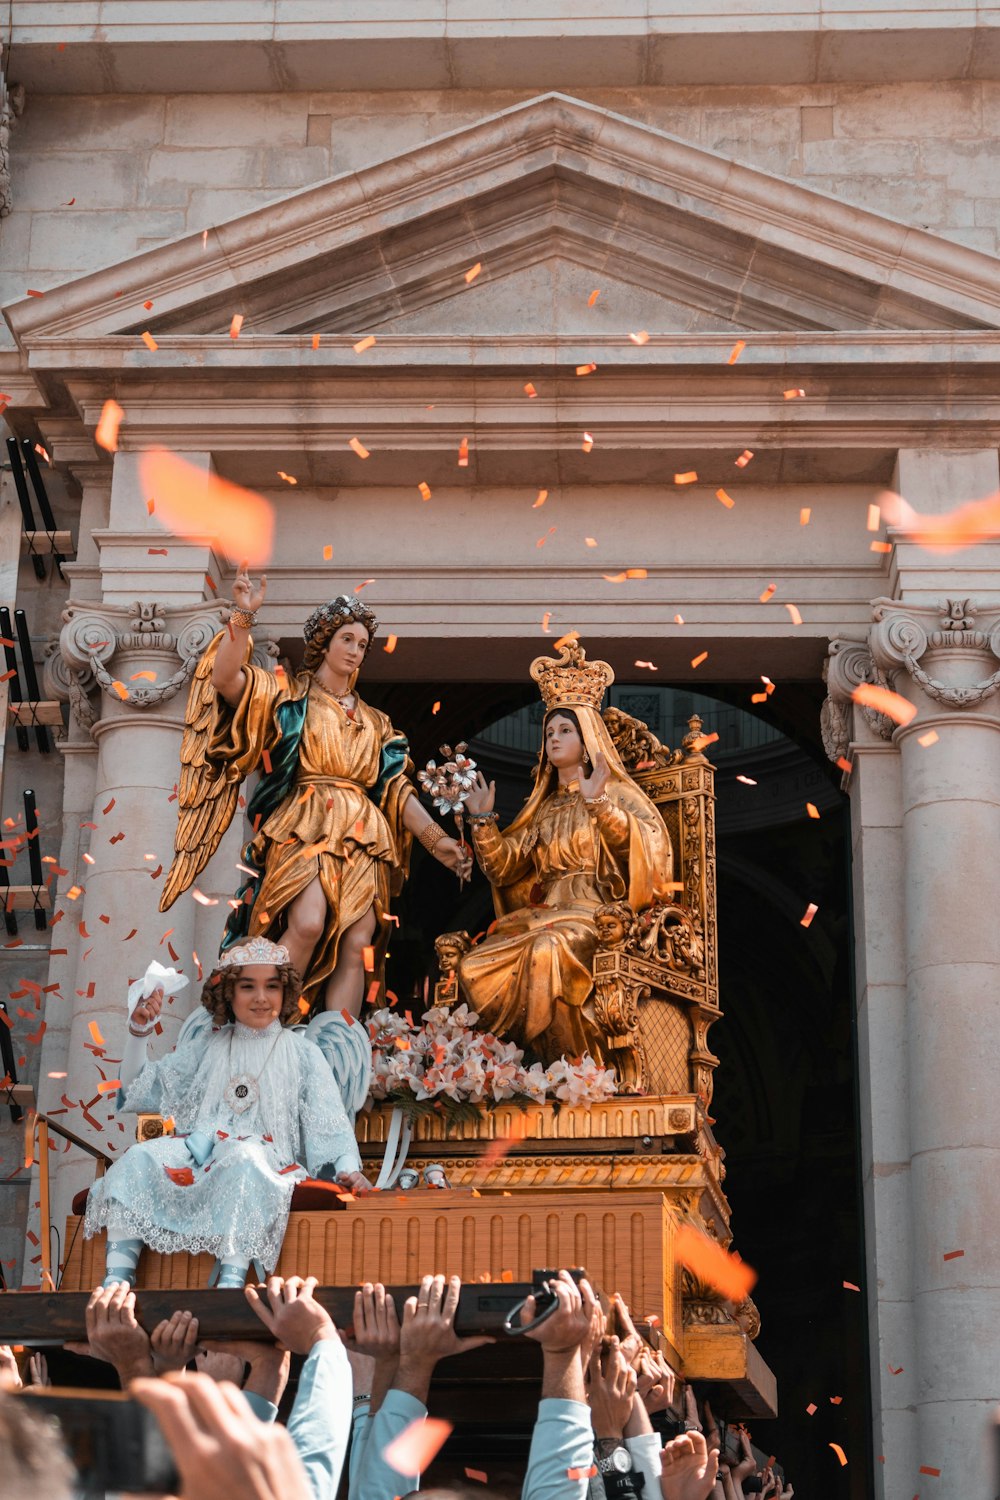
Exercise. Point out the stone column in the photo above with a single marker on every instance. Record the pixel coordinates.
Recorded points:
(933, 1089)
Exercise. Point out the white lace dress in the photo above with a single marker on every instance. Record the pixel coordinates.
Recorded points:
(223, 1184)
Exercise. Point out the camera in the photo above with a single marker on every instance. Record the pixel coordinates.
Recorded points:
(115, 1443)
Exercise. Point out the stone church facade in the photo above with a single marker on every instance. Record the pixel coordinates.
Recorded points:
(818, 186)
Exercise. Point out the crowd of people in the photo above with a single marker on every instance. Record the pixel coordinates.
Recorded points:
(613, 1420)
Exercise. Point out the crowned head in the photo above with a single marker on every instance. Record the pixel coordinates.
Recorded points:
(274, 978)
(324, 622)
(569, 680)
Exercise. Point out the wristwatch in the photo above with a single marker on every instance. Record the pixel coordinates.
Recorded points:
(612, 1457)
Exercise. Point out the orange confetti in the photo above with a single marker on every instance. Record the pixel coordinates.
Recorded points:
(236, 325)
(850, 1287)
(747, 780)
(473, 272)
(796, 618)
(885, 702)
(690, 476)
(895, 1369)
(953, 1254)
(805, 515)
(874, 518)
(425, 490)
(545, 621)
(32, 293)
(543, 495)
(358, 447)
(181, 1176)
(926, 1469)
(106, 433)
(529, 391)
(191, 501)
(109, 1086)
(390, 644)
(744, 458)
(567, 639)
(148, 306)
(699, 743)
(640, 338)
(812, 809)
(769, 593)
(812, 1409)
(417, 1445)
(727, 500)
(709, 1262)
(202, 899)
(882, 547)
(811, 911)
(847, 766)
(792, 395)
(582, 1473)
(543, 539)
(737, 350)
(590, 300)
(95, 1033)
(149, 341)
(678, 619)
(143, 677)
(463, 453)
(121, 690)
(288, 478)
(840, 1453)
(587, 369)
(436, 707)
(647, 664)
(588, 442)
(696, 661)
(315, 340)
(962, 527)
(930, 738)
(477, 1475)
(363, 344)
(327, 552)
(590, 541)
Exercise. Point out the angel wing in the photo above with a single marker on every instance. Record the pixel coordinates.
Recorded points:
(207, 793)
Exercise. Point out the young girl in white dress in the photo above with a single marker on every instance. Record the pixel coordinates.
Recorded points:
(258, 1105)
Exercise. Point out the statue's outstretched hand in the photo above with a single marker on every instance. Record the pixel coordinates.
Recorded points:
(482, 796)
(245, 594)
(454, 856)
(594, 785)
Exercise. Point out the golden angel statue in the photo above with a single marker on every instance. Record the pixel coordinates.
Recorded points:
(586, 836)
(334, 811)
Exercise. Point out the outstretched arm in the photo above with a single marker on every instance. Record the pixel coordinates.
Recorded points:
(228, 677)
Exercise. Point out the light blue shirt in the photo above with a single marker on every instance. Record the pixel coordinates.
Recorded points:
(371, 1478)
(563, 1439)
(320, 1421)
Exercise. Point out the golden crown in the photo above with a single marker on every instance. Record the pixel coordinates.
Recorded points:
(258, 950)
(570, 680)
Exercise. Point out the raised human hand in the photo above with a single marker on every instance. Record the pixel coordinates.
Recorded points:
(657, 1381)
(114, 1334)
(483, 795)
(611, 1390)
(747, 1464)
(38, 1370)
(148, 1009)
(220, 1363)
(594, 785)
(293, 1316)
(376, 1323)
(428, 1331)
(219, 1445)
(10, 1375)
(689, 1468)
(632, 1342)
(245, 594)
(569, 1326)
(174, 1342)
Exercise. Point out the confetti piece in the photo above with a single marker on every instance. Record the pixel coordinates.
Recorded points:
(804, 515)
(358, 447)
(587, 369)
(954, 1254)
(33, 293)
(885, 702)
(727, 500)
(590, 541)
(416, 1445)
(845, 765)
(543, 539)
(266, 761)
(796, 618)
(545, 621)
(477, 1475)
(747, 780)
(792, 396)
(95, 1033)
(530, 392)
(543, 495)
(143, 677)
(109, 1086)
(182, 1176)
(106, 433)
(89, 859)
(895, 1369)
(473, 272)
(874, 518)
(640, 338)
(812, 1409)
(436, 707)
(926, 1469)
(288, 478)
(737, 350)
(696, 661)
(811, 911)
(744, 458)
(590, 300)
(880, 547)
(769, 593)
(840, 1454)
(588, 442)
(930, 738)
(582, 1473)
(813, 812)
(190, 502)
(425, 490)
(963, 527)
(690, 476)
(148, 306)
(678, 619)
(367, 342)
(648, 664)
(848, 1285)
(708, 1261)
(463, 453)
(202, 899)
(121, 690)
(315, 340)
(390, 644)
(697, 744)
(149, 341)
(236, 325)
(567, 639)
(327, 552)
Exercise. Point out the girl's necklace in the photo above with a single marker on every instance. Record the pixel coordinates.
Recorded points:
(243, 1089)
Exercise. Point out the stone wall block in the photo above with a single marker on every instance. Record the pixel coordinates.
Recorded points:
(954, 1180)
(899, 111)
(71, 242)
(945, 895)
(954, 1062)
(109, 179)
(298, 168)
(91, 123)
(227, 167)
(242, 120)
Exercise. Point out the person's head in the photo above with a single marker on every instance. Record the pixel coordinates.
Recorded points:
(35, 1463)
(450, 948)
(254, 984)
(562, 740)
(614, 921)
(339, 635)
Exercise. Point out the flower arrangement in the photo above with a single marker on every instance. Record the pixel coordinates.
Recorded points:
(448, 1065)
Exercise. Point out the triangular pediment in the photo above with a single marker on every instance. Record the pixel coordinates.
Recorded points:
(553, 198)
